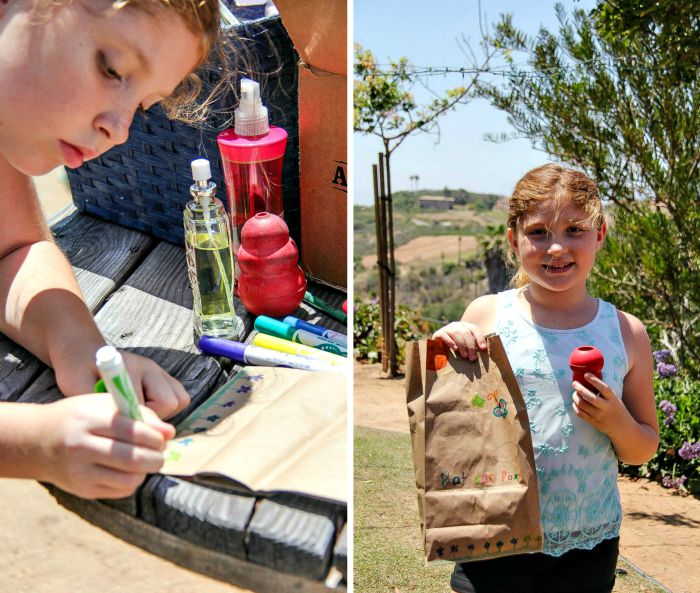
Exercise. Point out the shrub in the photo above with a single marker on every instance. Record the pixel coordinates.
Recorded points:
(368, 332)
(677, 460)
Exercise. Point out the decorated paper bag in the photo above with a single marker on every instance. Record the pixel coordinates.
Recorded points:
(472, 452)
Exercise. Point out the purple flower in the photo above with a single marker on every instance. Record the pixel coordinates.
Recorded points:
(670, 482)
(667, 407)
(670, 419)
(689, 450)
(661, 355)
(666, 370)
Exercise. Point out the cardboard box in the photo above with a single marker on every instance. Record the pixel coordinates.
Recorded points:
(319, 32)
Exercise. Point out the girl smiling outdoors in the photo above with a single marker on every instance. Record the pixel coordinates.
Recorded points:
(74, 73)
(555, 229)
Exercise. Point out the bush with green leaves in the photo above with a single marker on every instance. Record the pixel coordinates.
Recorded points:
(677, 460)
(368, 331)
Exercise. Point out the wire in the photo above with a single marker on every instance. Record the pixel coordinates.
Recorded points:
(512, 69)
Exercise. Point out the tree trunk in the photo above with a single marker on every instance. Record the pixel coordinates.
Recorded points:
(391, 336)
(380, 228)
(495, 270)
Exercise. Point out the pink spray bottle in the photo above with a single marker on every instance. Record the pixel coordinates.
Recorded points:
(252, 154)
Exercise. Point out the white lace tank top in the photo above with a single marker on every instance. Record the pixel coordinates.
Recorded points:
(576, 464)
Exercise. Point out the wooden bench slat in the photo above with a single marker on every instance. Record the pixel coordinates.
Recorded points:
(19, 369)
(102, 254)
(309, 313)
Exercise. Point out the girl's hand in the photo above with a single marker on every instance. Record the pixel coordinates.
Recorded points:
(465, 338)
(155, 388)
(86, 447)
(602, 410)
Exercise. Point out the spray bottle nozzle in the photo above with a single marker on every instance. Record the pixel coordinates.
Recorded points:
(251, 116)
(201, 172)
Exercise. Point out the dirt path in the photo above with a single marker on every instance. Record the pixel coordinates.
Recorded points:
(47, 549)
(660, 531)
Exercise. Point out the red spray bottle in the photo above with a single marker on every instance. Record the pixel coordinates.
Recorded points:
(586, 359)
(252, 154)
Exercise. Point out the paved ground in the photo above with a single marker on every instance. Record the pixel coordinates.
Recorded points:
(660, 530)
(53, 190)
(47, 549)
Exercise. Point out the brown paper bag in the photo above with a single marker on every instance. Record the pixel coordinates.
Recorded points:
(472, 452)
(268, 429)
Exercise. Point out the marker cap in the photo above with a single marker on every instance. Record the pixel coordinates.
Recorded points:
(273, 327)
(219, 347)
(108, 358)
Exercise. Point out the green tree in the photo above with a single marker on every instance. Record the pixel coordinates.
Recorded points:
(670, 32)
(384, 106)
(609, 93)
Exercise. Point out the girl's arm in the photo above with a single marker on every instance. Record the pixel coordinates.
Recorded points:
(630, 423)
(42, 308)
(41, 302)
(637, 439)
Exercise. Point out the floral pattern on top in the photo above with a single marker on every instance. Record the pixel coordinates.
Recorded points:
(575, 463)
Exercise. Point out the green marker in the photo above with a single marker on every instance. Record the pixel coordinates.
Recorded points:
(110, 365)
(322, 305)
(279, 329)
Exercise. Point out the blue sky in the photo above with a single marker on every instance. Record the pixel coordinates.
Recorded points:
(427, 34)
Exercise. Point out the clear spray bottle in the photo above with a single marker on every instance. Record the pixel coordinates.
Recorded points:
(210, 258)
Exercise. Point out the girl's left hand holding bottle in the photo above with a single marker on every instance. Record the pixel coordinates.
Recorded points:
(155, 388)
(602, 410)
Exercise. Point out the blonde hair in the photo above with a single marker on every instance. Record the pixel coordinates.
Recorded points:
(202, 18)
(551, 181)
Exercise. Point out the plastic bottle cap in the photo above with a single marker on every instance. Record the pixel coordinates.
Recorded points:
(251, 117)
(201, 171)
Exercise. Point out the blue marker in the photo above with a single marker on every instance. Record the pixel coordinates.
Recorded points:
(319, 330)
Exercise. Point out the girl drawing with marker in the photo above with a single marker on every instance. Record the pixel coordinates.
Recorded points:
(73, 74)
(555, 228)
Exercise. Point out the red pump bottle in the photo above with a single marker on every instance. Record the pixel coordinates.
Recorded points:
(586, 359)
(271, 282)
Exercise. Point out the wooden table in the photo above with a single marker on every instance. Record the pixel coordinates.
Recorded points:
(137, 288)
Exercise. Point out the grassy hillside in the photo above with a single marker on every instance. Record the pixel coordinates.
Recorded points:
(438, 279)
(470, 216)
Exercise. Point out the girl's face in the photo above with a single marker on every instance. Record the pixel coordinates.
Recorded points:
(556, 246)
(73, 80)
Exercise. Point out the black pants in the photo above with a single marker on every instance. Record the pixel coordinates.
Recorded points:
(576, 571)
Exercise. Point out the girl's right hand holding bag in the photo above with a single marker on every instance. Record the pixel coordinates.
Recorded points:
(463, 337)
